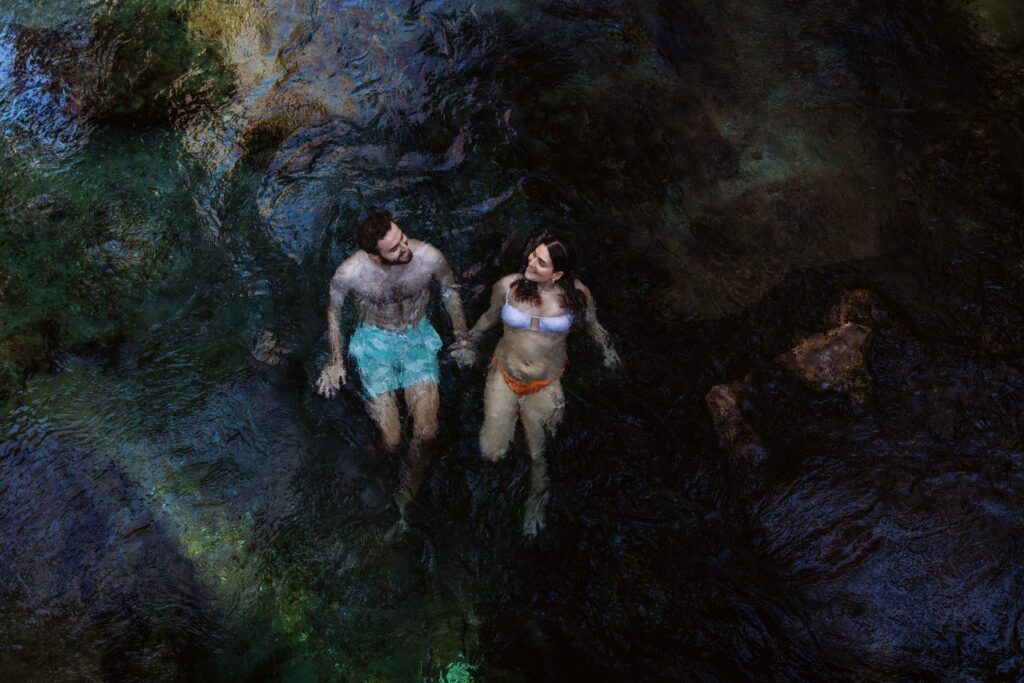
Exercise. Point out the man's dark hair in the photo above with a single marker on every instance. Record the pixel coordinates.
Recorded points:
(372, 230)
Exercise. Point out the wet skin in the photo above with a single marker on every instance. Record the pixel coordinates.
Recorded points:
(529, 355)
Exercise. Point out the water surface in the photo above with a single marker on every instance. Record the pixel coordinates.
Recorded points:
(180, 178)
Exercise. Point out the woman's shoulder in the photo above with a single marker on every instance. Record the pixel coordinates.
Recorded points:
(506, 282)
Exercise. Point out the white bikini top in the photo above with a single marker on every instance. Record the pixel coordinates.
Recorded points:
(514, 318)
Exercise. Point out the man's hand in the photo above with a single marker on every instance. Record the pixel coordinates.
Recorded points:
(331, 379)
(463, 353)
(611, 358)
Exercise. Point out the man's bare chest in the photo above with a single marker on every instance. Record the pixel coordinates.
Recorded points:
(382, 290)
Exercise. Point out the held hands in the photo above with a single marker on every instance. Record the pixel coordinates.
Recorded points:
(463, 353)
(331, 379)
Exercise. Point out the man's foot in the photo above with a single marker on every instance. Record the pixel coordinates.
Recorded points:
(397, 530)
(374, 494)
(403, 498)
(404, 503)
(372, 483)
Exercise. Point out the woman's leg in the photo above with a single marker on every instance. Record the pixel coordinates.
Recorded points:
(501, 409)
(542, 412)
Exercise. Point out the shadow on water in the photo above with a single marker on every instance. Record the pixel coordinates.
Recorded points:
(801, 224)
(90, 578)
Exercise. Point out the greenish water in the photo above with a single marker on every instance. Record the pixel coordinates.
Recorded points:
(179, 178)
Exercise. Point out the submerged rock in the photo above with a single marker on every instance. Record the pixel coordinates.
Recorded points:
(833, 361)
(129, 63)
(860, 306)
(326, 97)
(452, 158)
(725, 405)
(159, 70)
(297, 198)
(491, 203)
(267, 349)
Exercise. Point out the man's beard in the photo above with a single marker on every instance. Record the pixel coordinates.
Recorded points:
(397, 262)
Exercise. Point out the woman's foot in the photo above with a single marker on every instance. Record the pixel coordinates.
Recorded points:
(533, 518)
(537, 501)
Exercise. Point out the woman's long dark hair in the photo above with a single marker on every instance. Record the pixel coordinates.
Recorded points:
(562, 259)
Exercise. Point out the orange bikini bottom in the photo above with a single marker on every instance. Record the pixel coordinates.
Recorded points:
(520, 388)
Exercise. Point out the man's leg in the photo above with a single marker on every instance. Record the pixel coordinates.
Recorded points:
(383, 410)
(422, 399)
(542, 412)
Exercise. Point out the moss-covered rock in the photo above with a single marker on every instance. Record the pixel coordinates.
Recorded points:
(86, 249)
(132, 63)
(159, 70)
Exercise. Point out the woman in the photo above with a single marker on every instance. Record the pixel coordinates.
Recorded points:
(538, 308)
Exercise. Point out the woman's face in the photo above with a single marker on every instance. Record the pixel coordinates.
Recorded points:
(539, 267)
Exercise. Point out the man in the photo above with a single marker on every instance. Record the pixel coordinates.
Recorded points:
(394, 346)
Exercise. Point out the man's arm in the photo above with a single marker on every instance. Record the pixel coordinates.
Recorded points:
(599, 334)
(450, 297)
(333, 374)
(339, 289)
(462, 351)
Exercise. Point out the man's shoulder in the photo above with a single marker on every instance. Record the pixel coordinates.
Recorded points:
(426, 249)
(428, 253)
(350, 266)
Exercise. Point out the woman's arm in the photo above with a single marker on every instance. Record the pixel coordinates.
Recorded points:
(594, 329)
(492, 315)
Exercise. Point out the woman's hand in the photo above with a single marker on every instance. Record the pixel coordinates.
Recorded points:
(331, 379)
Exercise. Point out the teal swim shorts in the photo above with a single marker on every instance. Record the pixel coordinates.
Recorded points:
(395, 359)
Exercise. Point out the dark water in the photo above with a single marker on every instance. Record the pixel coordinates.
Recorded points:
(180, 178)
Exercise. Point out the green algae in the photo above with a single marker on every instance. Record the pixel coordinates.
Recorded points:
(93, 232)
(135, 62)
(458, 671)
(90, 250)
(48, 13)
(159, 71)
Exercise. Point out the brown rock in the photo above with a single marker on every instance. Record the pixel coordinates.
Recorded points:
(267, 349)
(833, 361)
(725, 407)
(860, 306)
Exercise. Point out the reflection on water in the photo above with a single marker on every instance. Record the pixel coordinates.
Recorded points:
(180, 178)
